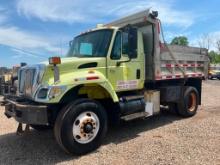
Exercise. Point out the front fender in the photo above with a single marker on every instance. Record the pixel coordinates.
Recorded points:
(82, 78)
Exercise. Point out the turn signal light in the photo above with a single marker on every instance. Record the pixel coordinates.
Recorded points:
(54, 60)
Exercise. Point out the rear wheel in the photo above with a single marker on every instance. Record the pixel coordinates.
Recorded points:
(81, 126)
(188, 106)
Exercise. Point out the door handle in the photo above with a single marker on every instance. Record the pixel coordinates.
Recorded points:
(138, 74)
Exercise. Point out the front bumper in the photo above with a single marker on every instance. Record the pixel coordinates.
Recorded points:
(26, 112)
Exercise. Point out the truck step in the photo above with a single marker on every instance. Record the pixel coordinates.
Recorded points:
(135, 116)
(135, 97)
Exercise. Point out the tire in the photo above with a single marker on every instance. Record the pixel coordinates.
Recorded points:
(76, 122)
(41, 127)
(188, 106)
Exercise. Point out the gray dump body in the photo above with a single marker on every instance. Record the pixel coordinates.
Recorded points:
(165, 62)
(177, 62)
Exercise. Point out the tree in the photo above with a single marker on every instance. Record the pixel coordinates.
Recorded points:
(181, 40)
(205, 41)
(218, 45)
(214, 57)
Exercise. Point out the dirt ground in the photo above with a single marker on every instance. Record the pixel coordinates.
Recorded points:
(163, 139)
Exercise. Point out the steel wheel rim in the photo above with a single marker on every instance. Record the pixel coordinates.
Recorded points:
(192, 102)
(86, 127)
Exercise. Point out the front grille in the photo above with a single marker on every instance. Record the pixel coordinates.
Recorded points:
(29, 78)
(27, 81)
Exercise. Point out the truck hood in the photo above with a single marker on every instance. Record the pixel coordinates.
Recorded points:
(78, 59)
(74, 64)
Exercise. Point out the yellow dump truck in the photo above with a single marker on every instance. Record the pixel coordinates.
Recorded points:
(118, 71)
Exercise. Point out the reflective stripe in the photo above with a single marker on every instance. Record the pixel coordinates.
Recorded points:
(180, 65)
(167, 77)
(92, 78)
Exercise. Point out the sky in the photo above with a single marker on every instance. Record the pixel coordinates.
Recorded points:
(33, 30)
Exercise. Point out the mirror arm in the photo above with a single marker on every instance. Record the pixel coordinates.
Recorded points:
(119, 62)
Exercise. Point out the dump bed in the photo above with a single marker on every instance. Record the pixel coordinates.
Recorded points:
(164, 61)
(173, 62)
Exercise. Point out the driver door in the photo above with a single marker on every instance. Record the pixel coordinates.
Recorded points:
(123, 73)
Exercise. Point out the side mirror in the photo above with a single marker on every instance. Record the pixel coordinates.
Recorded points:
(129, 43)
(132, 43)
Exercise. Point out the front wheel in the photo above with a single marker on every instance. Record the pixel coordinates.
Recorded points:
(188, 106)
(81, 126)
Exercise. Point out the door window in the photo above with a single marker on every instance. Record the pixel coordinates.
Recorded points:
(124, 43)
(116, 51)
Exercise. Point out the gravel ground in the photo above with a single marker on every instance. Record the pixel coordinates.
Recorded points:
(163, 139)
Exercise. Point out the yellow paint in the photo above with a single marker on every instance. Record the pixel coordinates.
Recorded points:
(94, 91)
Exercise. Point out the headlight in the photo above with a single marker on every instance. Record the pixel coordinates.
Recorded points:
(50, 92)
(56, 91)
(42, 94)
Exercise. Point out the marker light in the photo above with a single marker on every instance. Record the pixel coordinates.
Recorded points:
(54, 60)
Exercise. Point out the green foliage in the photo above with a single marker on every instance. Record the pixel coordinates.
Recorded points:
(181, 40)
(218, 45)
(214, 57)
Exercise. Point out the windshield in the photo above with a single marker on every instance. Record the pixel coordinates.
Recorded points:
(92, 44)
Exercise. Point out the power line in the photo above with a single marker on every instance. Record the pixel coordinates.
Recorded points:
(28, 52)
